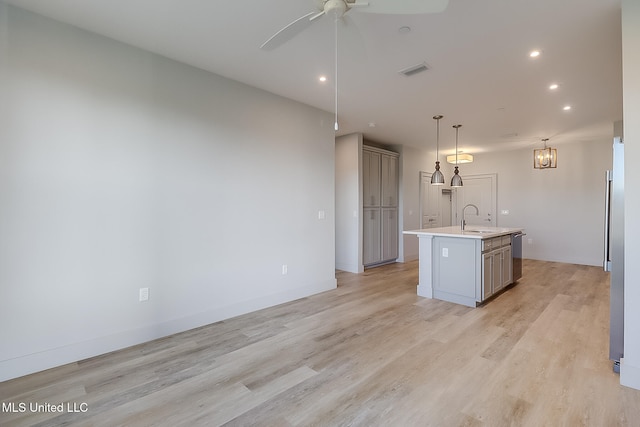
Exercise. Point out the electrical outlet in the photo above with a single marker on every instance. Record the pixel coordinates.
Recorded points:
(321, 215)
(285, 269)
(143, 294)
(445, 252)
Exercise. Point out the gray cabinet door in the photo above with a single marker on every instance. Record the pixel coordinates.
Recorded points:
(487, 275)
(507, 266)
(371, 236)
(389, 234)
(496, 270)
(370, 178)
(389, 181)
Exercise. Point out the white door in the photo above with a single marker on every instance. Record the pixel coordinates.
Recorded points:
(479, 190)
(430, 199)
(445, 208)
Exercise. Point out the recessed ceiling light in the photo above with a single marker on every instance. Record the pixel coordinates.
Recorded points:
(404, 30)
(323, 79)
(567, 107)
(372, 124)
(534, 53)
(553, 86)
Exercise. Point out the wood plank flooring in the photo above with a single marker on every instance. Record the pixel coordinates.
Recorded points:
(370, 353)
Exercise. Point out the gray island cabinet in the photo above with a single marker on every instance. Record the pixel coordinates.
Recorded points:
(464, 266)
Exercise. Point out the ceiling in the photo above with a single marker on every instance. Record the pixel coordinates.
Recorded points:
(480, 73)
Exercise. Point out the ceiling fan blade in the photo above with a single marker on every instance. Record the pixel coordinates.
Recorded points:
(402, 7)
(288, 32)
(358, 3)
(316, 16)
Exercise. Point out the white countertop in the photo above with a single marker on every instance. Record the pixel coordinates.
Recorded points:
(470, 232)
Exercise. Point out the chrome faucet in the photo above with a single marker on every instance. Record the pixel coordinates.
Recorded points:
(463, 223)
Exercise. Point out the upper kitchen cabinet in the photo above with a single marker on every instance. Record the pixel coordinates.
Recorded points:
(371, 172)
(380, 178)
(389, 180)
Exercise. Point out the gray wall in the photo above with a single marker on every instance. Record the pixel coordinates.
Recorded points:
(120, 169)
(630, 365)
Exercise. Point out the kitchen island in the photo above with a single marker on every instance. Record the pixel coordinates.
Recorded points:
(464, 266)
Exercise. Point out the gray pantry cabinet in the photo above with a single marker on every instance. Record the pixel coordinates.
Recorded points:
(380, 206)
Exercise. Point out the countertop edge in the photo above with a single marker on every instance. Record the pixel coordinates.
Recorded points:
(458, 233)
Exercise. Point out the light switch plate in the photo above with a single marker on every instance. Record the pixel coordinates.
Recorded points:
(445, 252)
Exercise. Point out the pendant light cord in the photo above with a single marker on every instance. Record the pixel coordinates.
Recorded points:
(336, 70)
(437, 137)
(457, 127)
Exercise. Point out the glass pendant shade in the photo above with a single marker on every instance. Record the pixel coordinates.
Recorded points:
(437, 178)
(456, 179)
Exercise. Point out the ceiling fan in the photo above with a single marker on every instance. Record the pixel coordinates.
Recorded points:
(337, 9)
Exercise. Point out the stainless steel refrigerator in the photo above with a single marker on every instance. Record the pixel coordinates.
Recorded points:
(614, 251)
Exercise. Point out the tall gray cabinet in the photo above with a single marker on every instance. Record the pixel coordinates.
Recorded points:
(380, 206)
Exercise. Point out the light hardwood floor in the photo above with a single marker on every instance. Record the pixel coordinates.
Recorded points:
(368, 353)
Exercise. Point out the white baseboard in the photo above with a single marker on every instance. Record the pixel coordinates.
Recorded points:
(51, 358)
(351, 268)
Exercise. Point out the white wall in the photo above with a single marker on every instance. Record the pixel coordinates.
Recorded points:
(630, 365)
(561, 209)
(413, 162)
(349, 203)
(120, 169)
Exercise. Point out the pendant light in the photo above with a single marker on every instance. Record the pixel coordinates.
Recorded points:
(456, 180)
(437, 178)
(545, 158)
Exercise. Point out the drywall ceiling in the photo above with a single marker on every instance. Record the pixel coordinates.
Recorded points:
(480, 73)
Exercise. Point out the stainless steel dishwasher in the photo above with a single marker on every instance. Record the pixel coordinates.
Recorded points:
(516, 251)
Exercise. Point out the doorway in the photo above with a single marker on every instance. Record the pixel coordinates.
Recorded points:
(479, 190)
(435, 203)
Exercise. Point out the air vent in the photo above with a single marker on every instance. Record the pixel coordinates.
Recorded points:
(414, 69)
